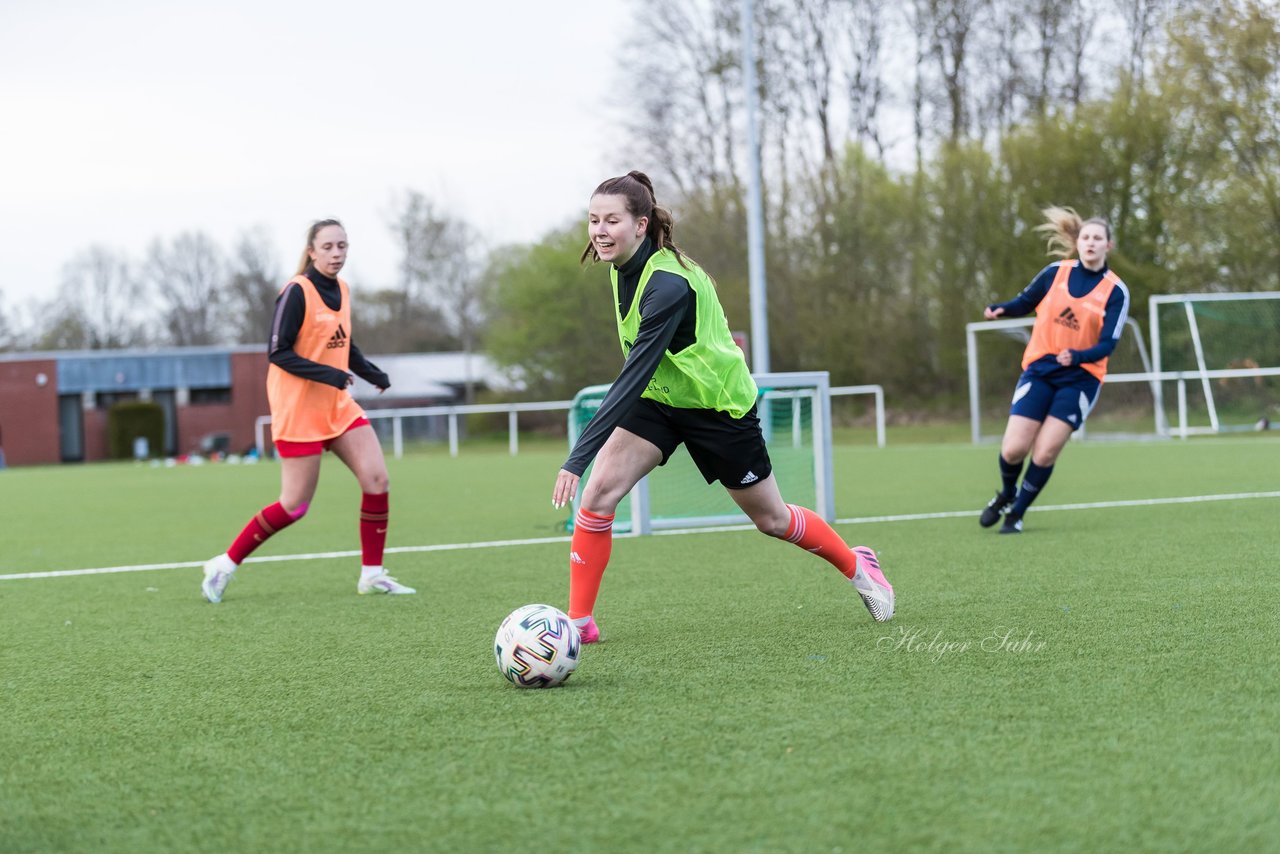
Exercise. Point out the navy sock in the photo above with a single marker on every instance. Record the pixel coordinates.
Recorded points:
(1036, 478)
(1009, 473)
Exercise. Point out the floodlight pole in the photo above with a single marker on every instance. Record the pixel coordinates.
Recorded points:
(755, 217)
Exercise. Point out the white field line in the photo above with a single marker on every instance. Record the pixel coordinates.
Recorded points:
(449, 547)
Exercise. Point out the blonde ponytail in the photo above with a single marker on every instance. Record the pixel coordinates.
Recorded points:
(1062, 227)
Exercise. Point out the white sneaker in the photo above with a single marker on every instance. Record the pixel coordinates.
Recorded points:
(382, 583)
(872, 586)
(218, 572)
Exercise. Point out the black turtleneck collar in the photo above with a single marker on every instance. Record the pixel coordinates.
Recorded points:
(326, 287)
(318, 278)
(633, 265)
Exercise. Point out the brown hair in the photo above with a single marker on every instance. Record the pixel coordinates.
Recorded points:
(637, 189)
(1063, 226)
(311, 239)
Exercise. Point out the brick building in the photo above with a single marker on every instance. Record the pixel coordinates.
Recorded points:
(54, 405)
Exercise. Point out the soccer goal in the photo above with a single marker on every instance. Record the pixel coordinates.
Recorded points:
(795, 414)
(1218, 359)
(1128, 405)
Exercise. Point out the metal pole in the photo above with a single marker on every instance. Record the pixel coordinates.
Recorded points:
(975, 412)
(755, 217)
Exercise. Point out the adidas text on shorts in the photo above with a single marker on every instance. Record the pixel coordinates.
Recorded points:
(726, 449)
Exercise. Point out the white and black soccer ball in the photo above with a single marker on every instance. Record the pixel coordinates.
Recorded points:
(537, 646)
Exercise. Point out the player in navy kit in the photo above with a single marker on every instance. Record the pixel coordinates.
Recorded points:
(1080, 307)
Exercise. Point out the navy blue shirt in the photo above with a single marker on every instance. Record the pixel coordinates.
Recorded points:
(1079, 284)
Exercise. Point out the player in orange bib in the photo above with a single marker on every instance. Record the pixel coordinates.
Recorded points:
(1080, 307)
(313, 358)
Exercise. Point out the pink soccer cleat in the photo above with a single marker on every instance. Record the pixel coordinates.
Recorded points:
(589, 631)
(869, 581)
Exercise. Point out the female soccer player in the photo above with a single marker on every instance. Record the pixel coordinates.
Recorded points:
(1080, 308)
(313, 356)
(683, 380)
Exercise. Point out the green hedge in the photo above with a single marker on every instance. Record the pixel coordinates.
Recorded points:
(129, 420)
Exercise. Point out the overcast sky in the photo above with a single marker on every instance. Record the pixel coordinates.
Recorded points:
(123, 122)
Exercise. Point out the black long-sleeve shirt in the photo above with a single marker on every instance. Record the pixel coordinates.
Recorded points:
(668, 322)
(291, 310)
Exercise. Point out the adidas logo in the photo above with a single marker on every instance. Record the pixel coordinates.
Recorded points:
(1068, 319)
(339, 339)
(751, 477)
(574, 557)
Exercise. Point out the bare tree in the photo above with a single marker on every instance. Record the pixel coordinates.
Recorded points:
(440, 267)
(186, 278)
(687, 120)
(98, 305)
(864, 80)
(951, 24)
(918, 22)
(253, 282)
(1141, 20)
(999, 106)
(1077, 38)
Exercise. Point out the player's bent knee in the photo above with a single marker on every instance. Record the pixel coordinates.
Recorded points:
(773, 525)
(296, 512)
(601, 501)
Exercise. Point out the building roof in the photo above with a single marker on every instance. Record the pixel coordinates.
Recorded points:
(413, 375)
(428, 375)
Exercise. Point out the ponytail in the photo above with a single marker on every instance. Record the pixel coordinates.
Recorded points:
(1062, 226)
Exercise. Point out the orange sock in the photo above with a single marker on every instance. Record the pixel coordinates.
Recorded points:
(588, 556)
(811, 532)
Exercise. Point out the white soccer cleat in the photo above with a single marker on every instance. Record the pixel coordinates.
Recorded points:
(872, 586)
(218, 572)
(382, 583)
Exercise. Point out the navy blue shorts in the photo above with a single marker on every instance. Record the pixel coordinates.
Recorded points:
(1037, 398)
(730, 450)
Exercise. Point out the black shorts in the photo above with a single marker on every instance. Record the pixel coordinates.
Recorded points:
(730, 450)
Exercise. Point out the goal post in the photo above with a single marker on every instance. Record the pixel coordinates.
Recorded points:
(795, 416)
(1228, 346)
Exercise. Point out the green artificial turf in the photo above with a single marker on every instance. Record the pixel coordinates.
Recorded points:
(1107, 680)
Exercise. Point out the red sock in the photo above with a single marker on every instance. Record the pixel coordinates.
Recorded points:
(588, 556)
(373, 527)
(270, 520)
(811, 532)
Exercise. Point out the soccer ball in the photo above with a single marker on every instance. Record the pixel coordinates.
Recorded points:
(537, 647)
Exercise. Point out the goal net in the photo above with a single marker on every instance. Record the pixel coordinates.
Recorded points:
(795, 415)
(1218, 356)
(1126, 407)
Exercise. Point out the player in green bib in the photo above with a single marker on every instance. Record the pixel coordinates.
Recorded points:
(684, 380)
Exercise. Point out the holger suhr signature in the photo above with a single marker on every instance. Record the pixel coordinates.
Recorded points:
(937, 646)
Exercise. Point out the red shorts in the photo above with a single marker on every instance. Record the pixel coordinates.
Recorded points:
(285, 448)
